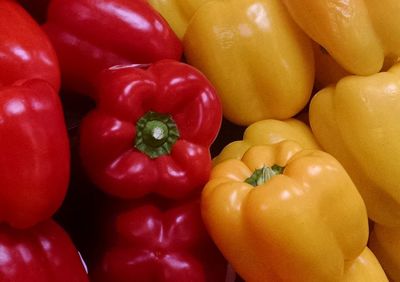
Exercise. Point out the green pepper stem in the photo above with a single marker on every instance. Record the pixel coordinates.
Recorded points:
(262, 175)
(156, 134)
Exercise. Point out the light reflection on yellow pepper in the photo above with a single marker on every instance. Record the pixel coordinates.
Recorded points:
(258, 59)
(177, 12)
(266, 132)
(359, 34)
(365, 268)
(303, 224)
(357, 121)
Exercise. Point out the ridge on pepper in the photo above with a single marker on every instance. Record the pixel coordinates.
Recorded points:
(151, 131)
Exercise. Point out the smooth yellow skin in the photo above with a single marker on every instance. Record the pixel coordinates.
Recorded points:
(359, 34)
(328, 71)
(266, 132)
(177, 12)
(301, 225)
(357, 121)
(258, 59)
(385, 243)
(365, 268)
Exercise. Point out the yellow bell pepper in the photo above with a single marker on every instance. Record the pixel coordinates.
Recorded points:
(269, 131)
(328, 71)
(177, 12)
(365, 268)
(283, 213)
(357, 121)
(258, 59)
(385, 243)
(359, 34)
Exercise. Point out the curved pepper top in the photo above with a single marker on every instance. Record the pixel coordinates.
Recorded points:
(286, 214)
(267, 132)
(92, 35)
(178, 13)
(34, 150)
(42, 253)
(25, 50)
(258, 59)
(365, 268)
(153, 241)
(151, 130)
(356, 121)
(359, 34)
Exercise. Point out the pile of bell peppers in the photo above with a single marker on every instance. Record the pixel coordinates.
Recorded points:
(199, 140)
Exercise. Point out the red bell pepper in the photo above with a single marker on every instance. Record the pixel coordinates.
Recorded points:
(151, 131)
(25, 50)
(91, 35)
(34, 153)
(43, 253)
(147, 242)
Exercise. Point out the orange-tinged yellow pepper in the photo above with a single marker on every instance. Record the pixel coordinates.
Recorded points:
(365, 268)
(177, 12)
(258, 59)
(266, 132)
(359, 34)
(357, 121)
(385, 243)
(328, 71)
(299, 224)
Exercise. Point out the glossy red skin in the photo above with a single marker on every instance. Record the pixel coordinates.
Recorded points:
(108, 133)
(43, 253)
(34, 153)
(146, 243)
(25, 50)
(91, 35)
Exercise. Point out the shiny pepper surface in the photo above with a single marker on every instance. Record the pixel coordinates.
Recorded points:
(92, 35)
(356, 121)
(25, 50)
(283, 213)
(151, 131)
(365, 268)
(34, 153)
(178, 13)
(359, 34)
(260, 62)
(267, 132)
(158, 242)
(43, 253)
